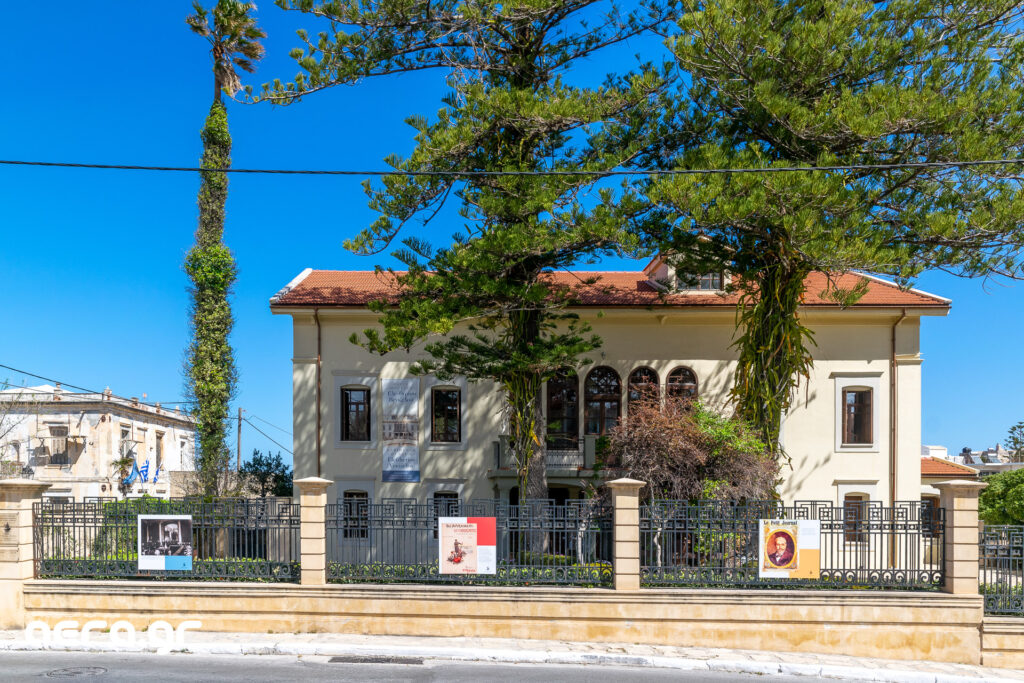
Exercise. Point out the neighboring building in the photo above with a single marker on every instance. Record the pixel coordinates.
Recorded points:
(935, 452)
(847, 440)
(935, 470)
(988, 461)
(72, 440)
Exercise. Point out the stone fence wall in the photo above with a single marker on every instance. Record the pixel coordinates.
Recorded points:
(945, 626)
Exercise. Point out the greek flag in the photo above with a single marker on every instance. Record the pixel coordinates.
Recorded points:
(156, 475)
(134, 473)
(144, 472)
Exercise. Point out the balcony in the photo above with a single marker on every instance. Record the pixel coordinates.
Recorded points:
(556, 460)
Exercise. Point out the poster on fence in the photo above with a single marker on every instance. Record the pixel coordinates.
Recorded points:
(165, 542)
(400, 424)
(467, 545)
(789, 549)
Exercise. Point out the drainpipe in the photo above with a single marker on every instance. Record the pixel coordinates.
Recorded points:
(316, 317)
(893, 412)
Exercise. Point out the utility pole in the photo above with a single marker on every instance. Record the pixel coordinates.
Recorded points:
(238, 447)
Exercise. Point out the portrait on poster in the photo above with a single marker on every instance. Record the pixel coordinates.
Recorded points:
(165, 542)
(780, 550)
(789, 549)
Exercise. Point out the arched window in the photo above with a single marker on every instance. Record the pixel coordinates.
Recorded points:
(643, 386)
(602, 395)
(855, 508)
(682, 382)
(563, 431)
(356, 514)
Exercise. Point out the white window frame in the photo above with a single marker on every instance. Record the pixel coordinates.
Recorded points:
(367, 486)
(428, 384)
(872, 381)
(371, 382)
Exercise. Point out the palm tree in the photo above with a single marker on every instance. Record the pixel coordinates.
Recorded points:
(234, 41)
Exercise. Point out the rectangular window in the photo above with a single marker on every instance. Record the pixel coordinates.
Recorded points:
(708, 282)
(355, 414)
(356, 514)
(159, 449)
(854, 509)
(58, 444)
(857, 417)
(445, 421)
(446, 504)
(127, 446)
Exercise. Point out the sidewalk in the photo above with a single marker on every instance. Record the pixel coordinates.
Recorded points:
(543, 652)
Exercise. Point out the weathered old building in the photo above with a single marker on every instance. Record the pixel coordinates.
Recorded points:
(81, 442)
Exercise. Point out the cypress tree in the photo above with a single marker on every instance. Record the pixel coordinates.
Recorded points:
(210, 266)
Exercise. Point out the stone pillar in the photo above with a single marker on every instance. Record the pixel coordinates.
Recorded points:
(17, 559)
(960, 500)
(313, 529)
(626, 511)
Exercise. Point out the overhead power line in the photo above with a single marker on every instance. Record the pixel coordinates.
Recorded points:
(486, 174)
(73, 386)
(249, 422)
(280, 429)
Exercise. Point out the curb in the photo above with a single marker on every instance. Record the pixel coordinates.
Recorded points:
(740, 666)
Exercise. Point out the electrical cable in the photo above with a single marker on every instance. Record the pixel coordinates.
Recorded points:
(285, 431)
(73, 386)
(487, 174)
(246, 420)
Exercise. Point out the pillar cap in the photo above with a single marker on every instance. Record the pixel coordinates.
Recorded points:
(625, 484)
(961, 484)
(312, 483)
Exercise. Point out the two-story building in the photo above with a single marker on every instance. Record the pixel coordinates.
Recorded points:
(362, 421)
(73, 440)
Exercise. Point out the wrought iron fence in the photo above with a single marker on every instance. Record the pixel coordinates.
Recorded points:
(716, 543)
(537, 542)
(232, 539)
(1002, 568)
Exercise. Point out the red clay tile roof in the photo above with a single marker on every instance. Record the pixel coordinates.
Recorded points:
(938, 467)
(343, 288)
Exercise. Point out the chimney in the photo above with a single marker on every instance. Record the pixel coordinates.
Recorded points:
(56, 392)
(107, 394)
(135, 400)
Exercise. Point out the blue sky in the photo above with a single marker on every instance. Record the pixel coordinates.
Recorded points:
(91, 260)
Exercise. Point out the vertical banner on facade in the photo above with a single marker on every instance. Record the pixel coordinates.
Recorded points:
(165, 542)
(467, 545)
(789, 549)
(401, 425)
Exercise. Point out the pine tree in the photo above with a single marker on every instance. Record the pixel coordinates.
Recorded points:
(485, 307)
(837, 82)
(211, 374)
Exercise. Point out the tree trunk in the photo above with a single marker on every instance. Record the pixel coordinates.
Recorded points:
(537, 474)
(773, 349)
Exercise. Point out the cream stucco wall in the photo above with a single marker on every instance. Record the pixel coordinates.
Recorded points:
(853, 347)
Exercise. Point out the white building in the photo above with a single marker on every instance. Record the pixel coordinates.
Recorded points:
(72, 441)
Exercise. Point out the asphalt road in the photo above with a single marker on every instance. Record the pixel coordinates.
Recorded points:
(36, 666)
